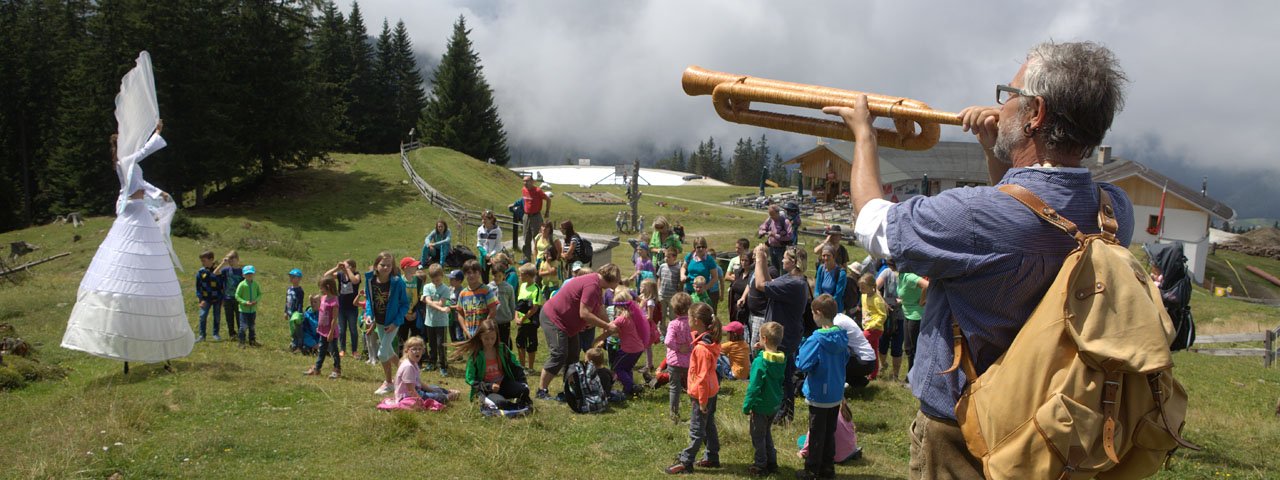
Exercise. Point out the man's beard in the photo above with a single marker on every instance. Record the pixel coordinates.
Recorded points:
(1006, 139)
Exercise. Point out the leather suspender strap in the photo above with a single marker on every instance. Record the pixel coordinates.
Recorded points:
(1045, 212)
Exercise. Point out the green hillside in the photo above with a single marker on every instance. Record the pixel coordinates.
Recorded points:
(228, 412)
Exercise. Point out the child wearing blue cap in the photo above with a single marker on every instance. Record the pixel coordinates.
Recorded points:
(248, 293)
(293, 304)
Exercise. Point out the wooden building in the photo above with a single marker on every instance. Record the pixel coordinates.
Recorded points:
(948, 165)
(1187, 212)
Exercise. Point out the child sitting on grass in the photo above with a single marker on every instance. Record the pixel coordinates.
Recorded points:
(408, 382)
(704, 387)
(492, 370)
(596, 356)
(737, 350)
(846, 448)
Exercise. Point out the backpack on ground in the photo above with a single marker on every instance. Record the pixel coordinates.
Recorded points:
(1086, 389)
(582, 390)
(458, 255)
(584, 252)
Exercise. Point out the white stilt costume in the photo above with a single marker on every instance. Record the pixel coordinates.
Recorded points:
(129, 306)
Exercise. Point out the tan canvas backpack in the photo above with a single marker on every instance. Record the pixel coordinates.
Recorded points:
(1086, 390)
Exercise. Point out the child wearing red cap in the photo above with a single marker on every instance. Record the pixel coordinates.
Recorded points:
(414, 280)
(735, 347)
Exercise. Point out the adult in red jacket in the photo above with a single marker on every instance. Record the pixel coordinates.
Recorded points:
(579, 302)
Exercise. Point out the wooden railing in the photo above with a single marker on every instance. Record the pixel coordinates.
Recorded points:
(460, 214)
(1267, 352)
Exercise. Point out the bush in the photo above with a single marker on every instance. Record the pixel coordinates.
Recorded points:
(10, 379)
(253, 236)
(32, 371)
(184, 226)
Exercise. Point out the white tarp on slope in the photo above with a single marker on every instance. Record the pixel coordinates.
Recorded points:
(589, 175)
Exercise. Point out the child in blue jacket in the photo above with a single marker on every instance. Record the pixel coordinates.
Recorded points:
(822, 358)
(386, 307)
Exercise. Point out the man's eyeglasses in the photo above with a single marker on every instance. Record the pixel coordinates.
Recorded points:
(1005, 92)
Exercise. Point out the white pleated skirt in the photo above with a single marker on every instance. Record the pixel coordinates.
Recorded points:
(129, 306)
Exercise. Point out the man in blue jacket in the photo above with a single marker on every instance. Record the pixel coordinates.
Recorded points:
(822, 358)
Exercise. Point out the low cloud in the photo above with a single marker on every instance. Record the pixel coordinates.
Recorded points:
(605, 76)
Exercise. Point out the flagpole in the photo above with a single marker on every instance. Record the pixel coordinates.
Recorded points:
(1160, 219)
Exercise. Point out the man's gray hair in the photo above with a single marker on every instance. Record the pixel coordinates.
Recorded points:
(1082, 86)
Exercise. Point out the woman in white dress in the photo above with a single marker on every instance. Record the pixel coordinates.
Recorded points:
(129, 306)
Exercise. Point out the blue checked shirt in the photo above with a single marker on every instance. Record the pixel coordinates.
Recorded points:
(989, 259)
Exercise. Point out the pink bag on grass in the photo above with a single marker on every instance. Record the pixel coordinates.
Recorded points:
(410, 404)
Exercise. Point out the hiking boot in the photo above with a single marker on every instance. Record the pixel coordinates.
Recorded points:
(543, 394)
(704, 463)
(679, 468)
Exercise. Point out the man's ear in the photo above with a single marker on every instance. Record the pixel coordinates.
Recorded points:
(1039, 112)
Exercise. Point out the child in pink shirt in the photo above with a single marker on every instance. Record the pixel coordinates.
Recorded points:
(408, 381)
(328, 328)
(634, 332)
(679, 343)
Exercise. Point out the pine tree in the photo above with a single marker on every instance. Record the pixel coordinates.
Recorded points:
(39, 43)
(384, 94)
(778, 172)
(362, 106)
(333, 65)
(409, 97)
(460, 113)
(674, 162)
(80, 173)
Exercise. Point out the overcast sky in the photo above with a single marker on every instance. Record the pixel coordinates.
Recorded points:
(606, 75)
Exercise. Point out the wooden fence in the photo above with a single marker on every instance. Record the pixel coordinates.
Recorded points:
(460, 214)
(1267, 352)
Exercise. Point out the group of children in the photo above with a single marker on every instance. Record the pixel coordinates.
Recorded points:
(410, 313)
(228, 290)
(694, 352)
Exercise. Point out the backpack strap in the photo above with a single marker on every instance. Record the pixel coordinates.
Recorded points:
(960, 356)
(1045, 212)
(1110, 394)
(1106, 216)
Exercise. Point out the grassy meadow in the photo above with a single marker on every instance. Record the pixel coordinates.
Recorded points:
(227, 412)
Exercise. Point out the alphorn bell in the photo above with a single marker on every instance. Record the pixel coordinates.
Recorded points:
(915, 124)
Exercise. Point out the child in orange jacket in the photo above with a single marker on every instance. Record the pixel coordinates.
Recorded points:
(703, 386)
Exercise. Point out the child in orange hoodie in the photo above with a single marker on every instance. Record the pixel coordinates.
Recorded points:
(703, 386)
